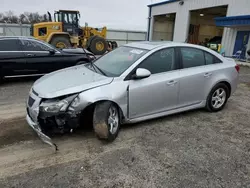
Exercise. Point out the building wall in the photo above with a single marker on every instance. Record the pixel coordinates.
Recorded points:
(235, 8)
(120, 36)
(125, 36)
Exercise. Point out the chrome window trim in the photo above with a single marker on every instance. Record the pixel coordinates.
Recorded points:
(29, 39)
(43, 43)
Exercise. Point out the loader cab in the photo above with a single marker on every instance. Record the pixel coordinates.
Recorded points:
(70, 21)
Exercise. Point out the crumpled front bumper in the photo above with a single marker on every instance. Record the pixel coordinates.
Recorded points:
(36, 127)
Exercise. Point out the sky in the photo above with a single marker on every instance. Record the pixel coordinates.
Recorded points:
(115, 14)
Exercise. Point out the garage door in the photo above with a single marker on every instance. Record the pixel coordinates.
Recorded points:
(163, 30)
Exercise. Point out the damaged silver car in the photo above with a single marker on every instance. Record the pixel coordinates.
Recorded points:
(135, 82)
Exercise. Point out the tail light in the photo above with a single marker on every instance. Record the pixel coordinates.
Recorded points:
(237, 67)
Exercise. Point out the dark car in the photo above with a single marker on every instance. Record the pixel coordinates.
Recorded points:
(26, 56)
(214, 43)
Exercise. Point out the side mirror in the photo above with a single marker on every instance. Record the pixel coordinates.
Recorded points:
(141, 73)
(52, 51)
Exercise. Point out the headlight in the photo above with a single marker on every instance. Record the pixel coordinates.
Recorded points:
(59, 106)
(75, 102)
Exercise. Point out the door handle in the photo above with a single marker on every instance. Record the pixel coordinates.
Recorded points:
(207, 74)
(172, 82)
(30, 55)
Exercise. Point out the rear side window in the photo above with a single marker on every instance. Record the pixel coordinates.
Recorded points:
(31, 45)
(9, 45)
(160, 61)
(192, 57)
(211, 59)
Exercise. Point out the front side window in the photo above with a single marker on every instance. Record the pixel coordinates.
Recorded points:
(160, 61)
(192, 57)
(65, 19)
(42, 31)
(9, 45)
(70, 18)
(32, 45)
(114, 63)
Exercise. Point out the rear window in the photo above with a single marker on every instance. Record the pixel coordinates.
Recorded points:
(211, 59)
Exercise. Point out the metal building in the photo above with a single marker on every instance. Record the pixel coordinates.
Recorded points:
(120, 36)
(198, 21)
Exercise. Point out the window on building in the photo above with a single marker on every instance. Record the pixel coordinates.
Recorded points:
(42, 31)
(192, 57)
(9, 45)
(160, 61)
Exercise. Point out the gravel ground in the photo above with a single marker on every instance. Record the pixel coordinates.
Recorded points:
(192, 149)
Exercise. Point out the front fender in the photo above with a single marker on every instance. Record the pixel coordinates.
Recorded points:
(116, 92)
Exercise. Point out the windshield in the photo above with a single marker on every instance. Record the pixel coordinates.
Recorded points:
(116, 62)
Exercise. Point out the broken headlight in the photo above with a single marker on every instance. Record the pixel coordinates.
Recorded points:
(59, 105)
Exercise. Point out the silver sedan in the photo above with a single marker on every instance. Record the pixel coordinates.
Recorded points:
(135, 82)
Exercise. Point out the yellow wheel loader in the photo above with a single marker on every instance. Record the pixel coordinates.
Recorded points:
(65, 32)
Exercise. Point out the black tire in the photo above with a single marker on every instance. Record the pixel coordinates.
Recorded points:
(209, 104)
(95, 41)
(61, 39)
(100, 121)
(110, 44)
(114, 44)
(90, 40)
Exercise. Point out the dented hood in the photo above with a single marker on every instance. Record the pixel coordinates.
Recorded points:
(68, 81)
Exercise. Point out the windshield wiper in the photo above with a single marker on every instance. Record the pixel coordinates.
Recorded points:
(100, 70)
(92, 63)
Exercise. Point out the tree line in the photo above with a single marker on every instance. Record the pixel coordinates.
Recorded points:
(24, 18)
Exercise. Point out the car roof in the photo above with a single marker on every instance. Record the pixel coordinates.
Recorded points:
(16, 37)
(150, 45)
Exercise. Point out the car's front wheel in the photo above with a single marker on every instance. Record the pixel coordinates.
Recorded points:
(217, 98)
(106, 121)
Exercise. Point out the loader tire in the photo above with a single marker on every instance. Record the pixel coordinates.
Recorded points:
(61, 42)
(98, 46)
(90, 40)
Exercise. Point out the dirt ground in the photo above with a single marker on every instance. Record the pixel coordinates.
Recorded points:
(192, 149)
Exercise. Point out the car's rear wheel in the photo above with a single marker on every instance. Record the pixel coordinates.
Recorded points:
(106, 121)
(217, 98)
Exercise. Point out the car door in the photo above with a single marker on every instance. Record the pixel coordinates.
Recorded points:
(159, 92)
(41, 58)
(12, 60)
(192, 76)
(214, 68)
